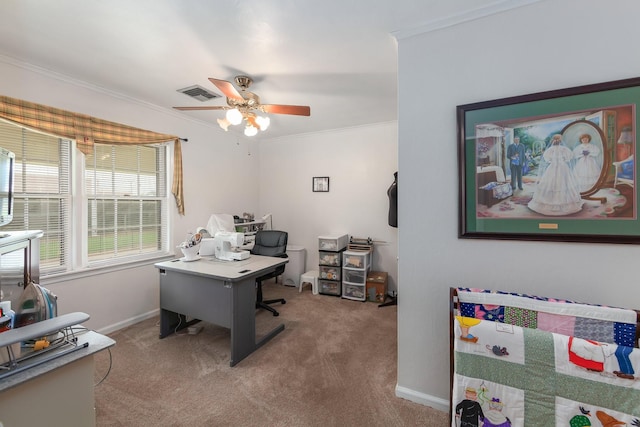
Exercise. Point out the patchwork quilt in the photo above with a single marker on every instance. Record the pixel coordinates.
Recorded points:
(528, 361)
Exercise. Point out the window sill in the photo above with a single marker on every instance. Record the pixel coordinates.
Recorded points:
(98, 270)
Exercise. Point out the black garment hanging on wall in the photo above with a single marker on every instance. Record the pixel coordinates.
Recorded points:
(392, 192)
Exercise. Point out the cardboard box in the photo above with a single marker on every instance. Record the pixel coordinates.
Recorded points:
(377, 286)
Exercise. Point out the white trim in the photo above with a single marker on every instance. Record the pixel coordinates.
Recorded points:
(100, 89)
(77, 82)
(50, 279)
(460, 18)
(422, 398)
(128, 322)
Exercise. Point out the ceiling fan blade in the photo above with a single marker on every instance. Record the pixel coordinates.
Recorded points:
(227, 89)
(296, 110)
(220, 107)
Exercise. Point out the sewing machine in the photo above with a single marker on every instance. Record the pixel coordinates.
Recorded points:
(225, 246)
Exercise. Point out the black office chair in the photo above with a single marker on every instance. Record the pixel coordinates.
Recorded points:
(270, 243)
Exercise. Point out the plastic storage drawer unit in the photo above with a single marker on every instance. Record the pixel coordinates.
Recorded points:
(353, 292)
(330, 263)
(357, 277)
(355, 266)
(335, 243)
(331, 273)
(329, 287)
(330, 258)
(356, 259)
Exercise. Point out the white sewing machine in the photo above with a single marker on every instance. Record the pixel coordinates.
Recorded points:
(225, 246)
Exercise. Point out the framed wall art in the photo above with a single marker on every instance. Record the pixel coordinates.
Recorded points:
(557, 165)
(320, 184)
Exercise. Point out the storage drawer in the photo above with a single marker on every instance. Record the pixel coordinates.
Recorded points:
(353, 292)
(358, 277)
(329, 287)
(330, 273)
(333, 243)
(330, 258)
(356, 259)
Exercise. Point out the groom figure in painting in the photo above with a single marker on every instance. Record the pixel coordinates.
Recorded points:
(516, 156)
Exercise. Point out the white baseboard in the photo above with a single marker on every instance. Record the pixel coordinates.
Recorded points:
(128, 322)
(423, 399)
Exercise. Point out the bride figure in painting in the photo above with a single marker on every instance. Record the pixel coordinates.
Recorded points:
(557, 192)
(586, 170)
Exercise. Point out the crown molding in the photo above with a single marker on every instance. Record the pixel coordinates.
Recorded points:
(461, 18)
(99, 89)
(64, 78)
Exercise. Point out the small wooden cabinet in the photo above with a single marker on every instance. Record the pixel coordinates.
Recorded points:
(377, 286)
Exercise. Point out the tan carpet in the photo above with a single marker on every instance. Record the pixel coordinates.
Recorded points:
(333, 365)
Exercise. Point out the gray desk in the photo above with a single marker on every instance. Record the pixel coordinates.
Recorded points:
(218, 292)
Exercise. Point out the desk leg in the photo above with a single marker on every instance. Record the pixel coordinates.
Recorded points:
(168, 321)
(275, 331)
(171, 322)
(243, 319)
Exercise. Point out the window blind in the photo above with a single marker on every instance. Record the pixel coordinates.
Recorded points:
(42, 191)
(124, 189)
(126, 195)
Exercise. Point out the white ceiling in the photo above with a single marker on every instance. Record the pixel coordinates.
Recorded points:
(337, 56)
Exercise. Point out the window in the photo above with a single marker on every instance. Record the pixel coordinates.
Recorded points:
(122, 187)
(42, 192)
(126, 192)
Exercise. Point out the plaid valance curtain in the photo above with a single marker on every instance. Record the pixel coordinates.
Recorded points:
(87, 130)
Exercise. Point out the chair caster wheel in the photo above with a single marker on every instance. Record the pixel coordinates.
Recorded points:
(284, 302)
(276, 314)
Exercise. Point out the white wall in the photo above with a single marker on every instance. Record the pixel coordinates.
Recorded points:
(226, 173)
(546, 45)
(220, 175)
(360, 163)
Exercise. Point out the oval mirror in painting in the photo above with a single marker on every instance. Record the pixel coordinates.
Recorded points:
(590, 156)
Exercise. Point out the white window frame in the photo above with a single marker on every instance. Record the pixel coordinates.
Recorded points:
(83, 256)
(76, 263)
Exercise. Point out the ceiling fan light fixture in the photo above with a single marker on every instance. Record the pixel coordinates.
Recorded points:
(250, 130)
(234, 116)
(251, 120)
(243, 105)
(224, 124)
(263, 122)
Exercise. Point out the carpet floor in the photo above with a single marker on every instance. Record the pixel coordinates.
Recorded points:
(333, 365)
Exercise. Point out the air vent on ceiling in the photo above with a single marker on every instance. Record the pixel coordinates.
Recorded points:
(199, 93)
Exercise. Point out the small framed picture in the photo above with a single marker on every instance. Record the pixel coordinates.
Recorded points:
(320, 184)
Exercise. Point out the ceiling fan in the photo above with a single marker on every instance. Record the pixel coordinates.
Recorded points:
(243, 105)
